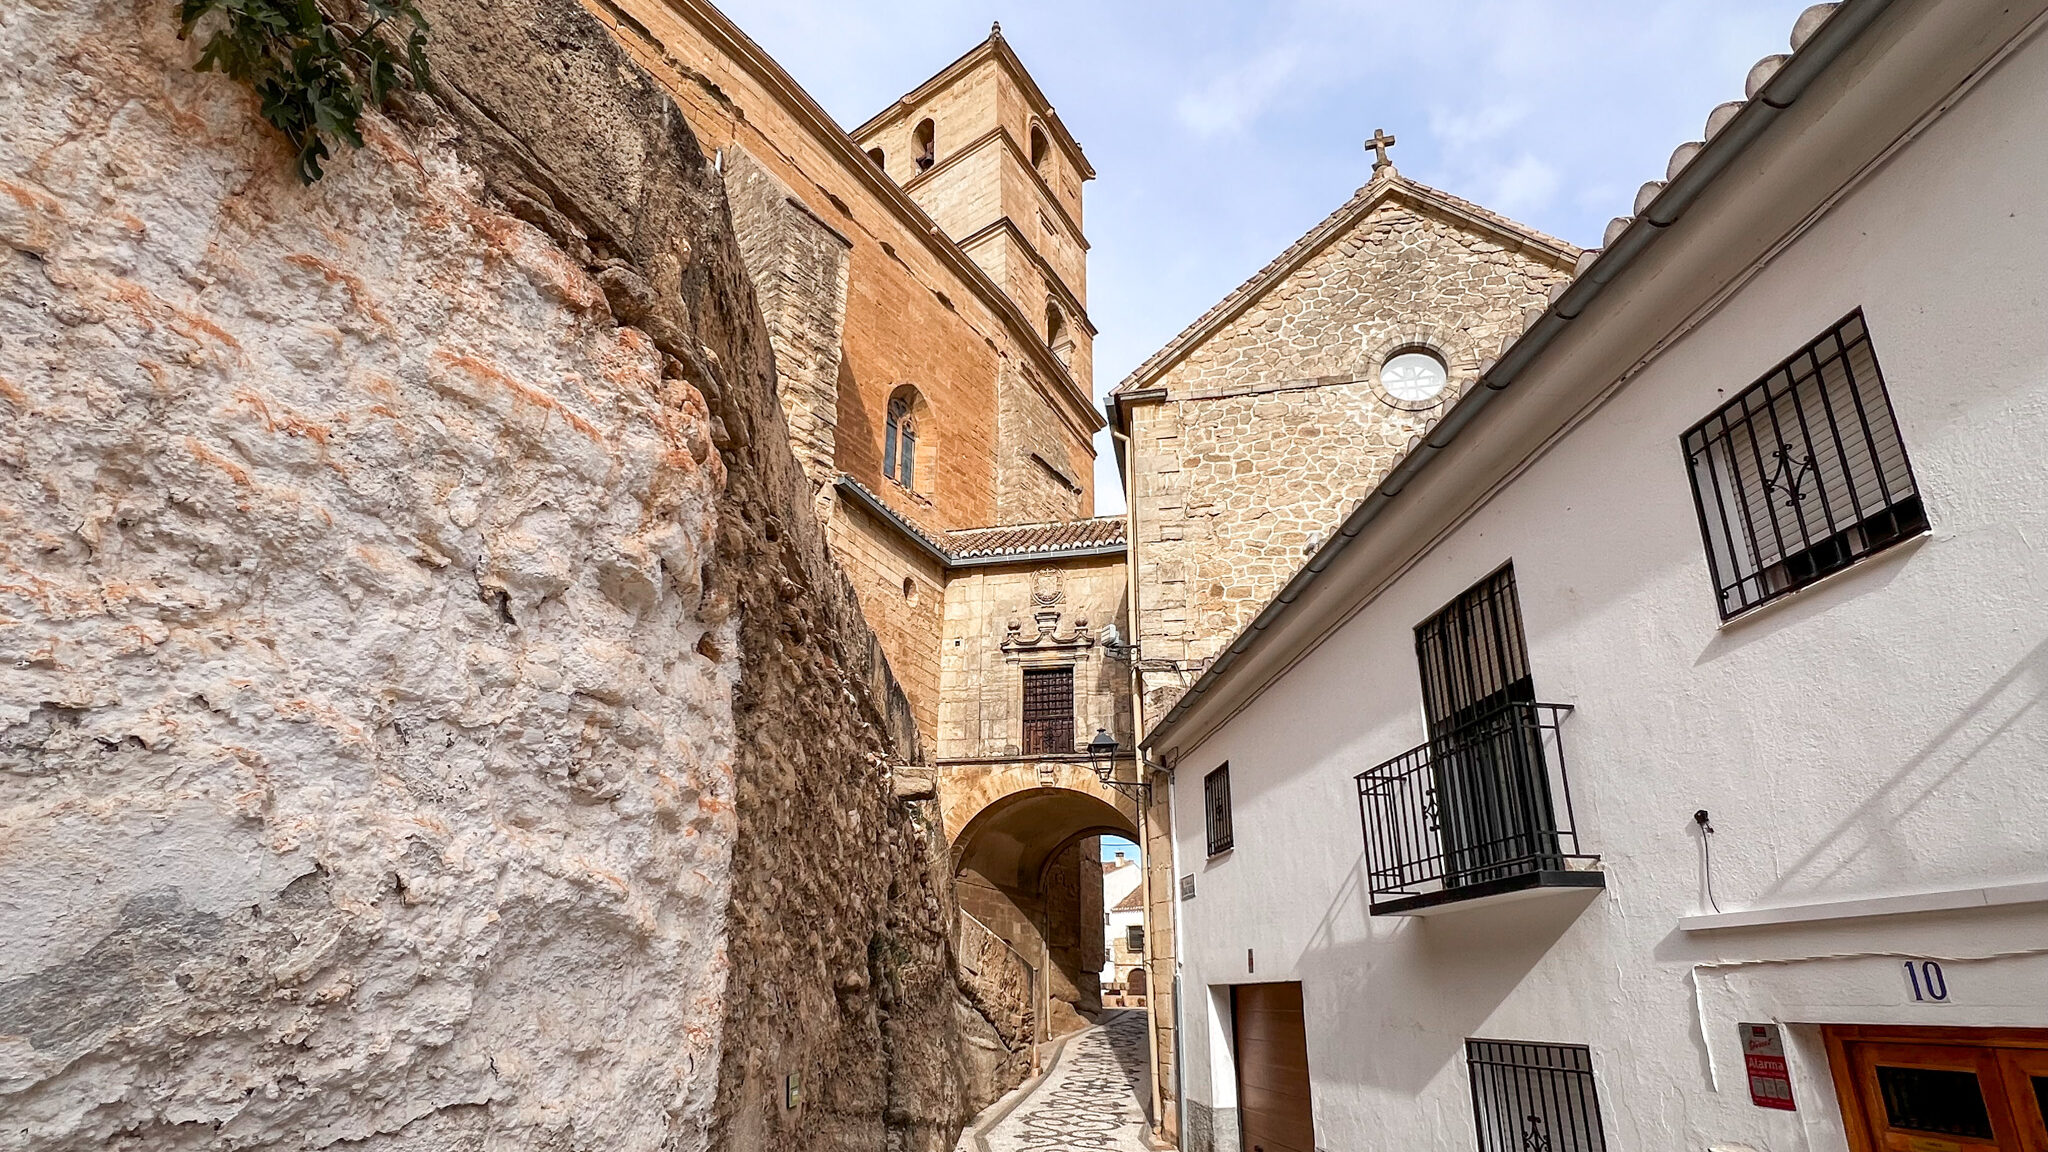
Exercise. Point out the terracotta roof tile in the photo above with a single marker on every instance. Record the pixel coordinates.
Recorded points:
(1026, 539)
(1103, 533)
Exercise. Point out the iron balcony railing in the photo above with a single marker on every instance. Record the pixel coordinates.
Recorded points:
(1483, 808)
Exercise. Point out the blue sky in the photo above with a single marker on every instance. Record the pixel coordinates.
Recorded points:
(1220, 132)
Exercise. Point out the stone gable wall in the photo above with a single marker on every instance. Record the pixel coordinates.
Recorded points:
(1272, 429)
(419, 651)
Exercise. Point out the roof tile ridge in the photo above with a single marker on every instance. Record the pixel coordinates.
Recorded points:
(1037, 524)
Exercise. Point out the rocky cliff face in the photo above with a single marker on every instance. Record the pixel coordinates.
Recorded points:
(428, 716)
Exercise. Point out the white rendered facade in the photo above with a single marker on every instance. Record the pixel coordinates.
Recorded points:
(1873, 749)
(1120, 878)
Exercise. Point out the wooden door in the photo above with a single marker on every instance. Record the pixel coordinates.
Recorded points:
(1942, 1090)
(1929, 1098)
(1272, 1068)
(2026, 1087)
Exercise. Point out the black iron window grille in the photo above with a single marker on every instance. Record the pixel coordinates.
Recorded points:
(1048, 710)
(1134, 938)
(1216, 802)
(1534, 1097)
(1803, 473)
(1484, 806)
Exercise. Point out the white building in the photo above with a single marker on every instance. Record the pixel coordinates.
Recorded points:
(1760, 503)
(1123, 908)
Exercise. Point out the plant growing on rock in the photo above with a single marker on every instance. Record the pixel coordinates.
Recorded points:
(314, 75)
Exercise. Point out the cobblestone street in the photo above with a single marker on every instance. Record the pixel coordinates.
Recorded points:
(1094, 1099)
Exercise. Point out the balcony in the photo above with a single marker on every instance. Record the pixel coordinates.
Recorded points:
(1481, 813)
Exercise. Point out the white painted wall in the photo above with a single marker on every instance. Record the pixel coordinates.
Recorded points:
(1881, 733)
(1120, 878)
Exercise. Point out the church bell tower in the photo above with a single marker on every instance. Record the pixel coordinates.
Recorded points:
(980, 149)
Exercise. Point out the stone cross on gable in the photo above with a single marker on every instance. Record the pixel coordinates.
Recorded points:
(1378, 145)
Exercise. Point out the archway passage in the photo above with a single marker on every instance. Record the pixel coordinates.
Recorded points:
(1028, 865)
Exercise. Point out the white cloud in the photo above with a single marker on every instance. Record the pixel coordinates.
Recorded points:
(1232, 99)
(1524, 187)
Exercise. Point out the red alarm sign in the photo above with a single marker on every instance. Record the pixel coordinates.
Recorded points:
(1763, 1055)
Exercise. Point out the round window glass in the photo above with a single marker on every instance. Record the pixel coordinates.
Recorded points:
(1414, 377)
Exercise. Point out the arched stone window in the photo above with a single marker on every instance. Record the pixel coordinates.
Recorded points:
(900, 437)
(881, 161)
(925, 140)
(1040, 150)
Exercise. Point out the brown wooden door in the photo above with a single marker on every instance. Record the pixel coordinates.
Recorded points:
(1929, 1098)
(1942, 1090)
(1272, 1068)
(2026, 1087)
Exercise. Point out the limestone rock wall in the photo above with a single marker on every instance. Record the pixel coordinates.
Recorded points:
(429, 718)
(1000, 1012)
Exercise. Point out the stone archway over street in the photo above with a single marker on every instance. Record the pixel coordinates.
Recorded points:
(1026, 859)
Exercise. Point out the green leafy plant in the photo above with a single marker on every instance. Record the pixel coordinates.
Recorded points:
(314, 76)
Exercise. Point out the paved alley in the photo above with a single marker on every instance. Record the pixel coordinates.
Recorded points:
(1095, 1097)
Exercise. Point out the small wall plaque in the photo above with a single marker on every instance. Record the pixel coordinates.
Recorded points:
(1763, 1055)
(1187, 887)
(792, 1090)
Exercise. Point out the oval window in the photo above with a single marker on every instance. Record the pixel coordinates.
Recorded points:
(1414, 377)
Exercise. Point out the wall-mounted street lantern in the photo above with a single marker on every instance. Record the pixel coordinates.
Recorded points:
(1102, 752)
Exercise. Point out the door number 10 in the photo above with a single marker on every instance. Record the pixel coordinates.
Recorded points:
(1927, 982)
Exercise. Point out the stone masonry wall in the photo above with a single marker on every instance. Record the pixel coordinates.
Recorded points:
(798, 266)
(1273, 428)
(1038, 478)
(417, 655)
(1000, 1021)
(1059, 919)
(981, 705)
(879, 561)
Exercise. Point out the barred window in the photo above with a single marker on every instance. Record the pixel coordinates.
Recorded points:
(1216, 801)
(1534, 1097)
(1134, 937)
(1048, 710)
(1803, 473)
(1474, 655)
